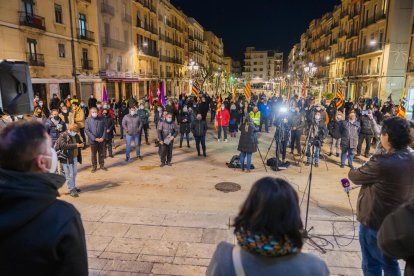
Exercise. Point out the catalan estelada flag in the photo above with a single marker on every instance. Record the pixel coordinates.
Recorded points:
(218, 108)
(196, 88)
(402, 113)
(247, 91)
(304, 92)
(234, 95)
(340, 96)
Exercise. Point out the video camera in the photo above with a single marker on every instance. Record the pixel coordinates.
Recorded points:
(315, 142)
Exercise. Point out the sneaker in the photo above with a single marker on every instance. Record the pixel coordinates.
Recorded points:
(127, 159)
(204, 154)
(342, 166)
(93, 170)
(225, 140)
(140, 158)
(351, 167)
(337, 155)
(316, 165)
(78, 190)
(307, 164)
(162, 165)
(104, 168)
(74, 193)
(169, 164)
(218, 140)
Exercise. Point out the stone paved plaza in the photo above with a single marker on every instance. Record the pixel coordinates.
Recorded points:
(141, 219)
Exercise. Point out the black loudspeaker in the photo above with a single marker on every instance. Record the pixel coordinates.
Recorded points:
(16, 91)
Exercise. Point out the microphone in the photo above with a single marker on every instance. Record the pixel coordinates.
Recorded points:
(346, 185)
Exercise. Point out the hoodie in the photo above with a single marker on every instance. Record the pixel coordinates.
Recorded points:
(39, 234)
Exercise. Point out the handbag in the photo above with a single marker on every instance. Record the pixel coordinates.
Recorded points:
(237, 262)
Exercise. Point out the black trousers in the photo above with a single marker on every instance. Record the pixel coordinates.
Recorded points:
(213, 116)
(82, 133)
(108, 147)
(98, 152)
(202, 140)
(145, 130)
(166, 153)
(295, 140)
(368, 141)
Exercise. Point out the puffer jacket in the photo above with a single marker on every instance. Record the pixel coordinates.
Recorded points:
(132, 124)
(386, 181)
(110, 127)
(248, 138)
(335, 129)
(185, 122)
(199, 128)
(165, 129)
(349, 134)
(223, 118)
(366, 126)
(79, 117)
(66, 145)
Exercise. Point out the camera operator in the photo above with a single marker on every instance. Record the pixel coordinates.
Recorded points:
(386, 182)
(367, 132)
(317, 133)
(297, 123)
(282, 134)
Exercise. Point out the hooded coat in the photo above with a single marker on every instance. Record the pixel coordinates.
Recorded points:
(39, 234)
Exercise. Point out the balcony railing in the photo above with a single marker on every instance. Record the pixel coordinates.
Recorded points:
(146, 26)
(374, 19)
(35, 59)
(112, 43)
(32, 20)
(370, 49)
(169, 74)
(127, 18)
(87, 64)
(108, 9)
(147, 5)
(171, 60)
(352, 33)
(148, 51)
(166, 39)
(86, 35)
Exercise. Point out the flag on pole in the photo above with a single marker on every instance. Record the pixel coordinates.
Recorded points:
(158, 90)
(104, 95)
(196, 88)
(218, 108)
(150, 95)
(234, 95)
(402, 113)
(304, 92)
(162, 95)
(340, 96)
(247, 91)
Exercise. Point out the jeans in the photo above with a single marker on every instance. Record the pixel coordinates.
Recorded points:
(373, 260)
(295, 140)
(71, 171)
(187, 137)
(336, 143)
(225, 129)
(316, 154)
(265, 121)
(249, 160)
(368, 141)
(98, 149)
(166, 153)
(350, 153)
(202, 140)
(129, 139)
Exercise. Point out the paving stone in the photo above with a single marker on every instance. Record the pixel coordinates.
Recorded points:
(97, 243)
(90, 226)
(197, 220)
(160, 248)
(134, 217)
(170, 269)
(145, 232)
(94, 253)
(91, 212)
(125, 245)
(196, 250)
(342, 271)
(215, 236)
(93, 272)
(155, 259)
(128, 266)
(115, 273)
(183, 234)
(112, 229)
(191, 261)
(96, 263)
(118, 256)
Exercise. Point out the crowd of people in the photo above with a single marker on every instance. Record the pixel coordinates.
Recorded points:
(268, 227)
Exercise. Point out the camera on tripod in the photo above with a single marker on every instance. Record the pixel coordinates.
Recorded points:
(315, 142)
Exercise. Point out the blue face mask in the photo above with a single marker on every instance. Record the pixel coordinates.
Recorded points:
(72, 133)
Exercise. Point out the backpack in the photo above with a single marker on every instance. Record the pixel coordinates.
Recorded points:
(235, 163)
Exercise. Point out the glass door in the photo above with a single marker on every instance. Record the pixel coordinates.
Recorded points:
(82, 25)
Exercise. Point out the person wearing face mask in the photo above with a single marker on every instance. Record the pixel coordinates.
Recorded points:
(255, 116)
(265, 110)
(317, 133)
(223, 118)
(38, 115)
(185, 126)
(335, 132)
(99, 107)
(44, 108)
(55, 126)
(247, 143)
(349, 138)
(167, 131)
(36, 101)
(96, 131)
(109, 126)
(132, 125)
(233, 123)
(367, 132)
(143, 114)
(157, 115)
(54, 103)
(199, 130)
(213, 110)
(39, 234)
(123, 111)
(92, 102)
(68, 148)
(79, 117)
(66, 116)
(297, 123)
(203, 108)
(282, 133)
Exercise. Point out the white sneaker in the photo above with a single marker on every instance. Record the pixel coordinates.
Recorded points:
(225, 140)
(218, 140)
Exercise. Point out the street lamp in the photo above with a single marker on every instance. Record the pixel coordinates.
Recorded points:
(310, 71)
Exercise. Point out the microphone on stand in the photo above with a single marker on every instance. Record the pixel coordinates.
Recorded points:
(346, 185)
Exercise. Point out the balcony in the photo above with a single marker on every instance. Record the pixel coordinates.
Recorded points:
(32, 20)
(352, 34)
(148, 52)
(374, 19)
(178, 44)
(350, 55)
(87, 64)
(86, 35)
(107, 9)
(146, 27)
(127, 18)
(169, 75)
(370, 49)
(146, 4)
(112, 43)
(166, 39)
(35, 59)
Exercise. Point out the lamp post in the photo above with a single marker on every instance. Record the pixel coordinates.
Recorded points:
(193, 69)
(310, 71)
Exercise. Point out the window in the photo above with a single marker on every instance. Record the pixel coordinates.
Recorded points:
(82, 25)
(58, 14)
(378, 65)
(61, 48)
(119, 64)
(32, 51)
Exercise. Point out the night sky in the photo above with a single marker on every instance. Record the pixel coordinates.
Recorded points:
(265, 24)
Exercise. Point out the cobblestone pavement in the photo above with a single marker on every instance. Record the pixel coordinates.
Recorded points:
(141, 219)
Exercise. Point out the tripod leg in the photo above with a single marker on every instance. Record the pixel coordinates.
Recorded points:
(261, 157)
(268, 150)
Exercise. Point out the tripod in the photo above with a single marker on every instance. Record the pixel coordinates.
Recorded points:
(276, 138)
(306, 149)
(306, 231)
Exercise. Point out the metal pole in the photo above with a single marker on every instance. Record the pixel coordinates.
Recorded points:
(72, 46)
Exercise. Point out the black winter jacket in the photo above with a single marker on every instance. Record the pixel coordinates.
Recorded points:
(199, 128)
(335, 129)
(366, 127)
(65, 144)
(185, 122)
(39, 234)
(248, 138)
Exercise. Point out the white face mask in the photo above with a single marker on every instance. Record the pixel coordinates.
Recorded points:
(94, 115)
(317, 117)
(99, 106)
(40, 104)
(105, 106)
(72, 133)
(65, 111)
(132, 113)
(159, 109)
(53, 161)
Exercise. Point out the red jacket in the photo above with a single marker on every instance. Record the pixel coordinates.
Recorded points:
(223, 118)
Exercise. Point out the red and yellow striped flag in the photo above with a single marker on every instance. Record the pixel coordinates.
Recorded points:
(402, 112)
(218, 108)
(304, 92)
(247, 91)
(340, 97)
(234, 95)
(196, 88)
